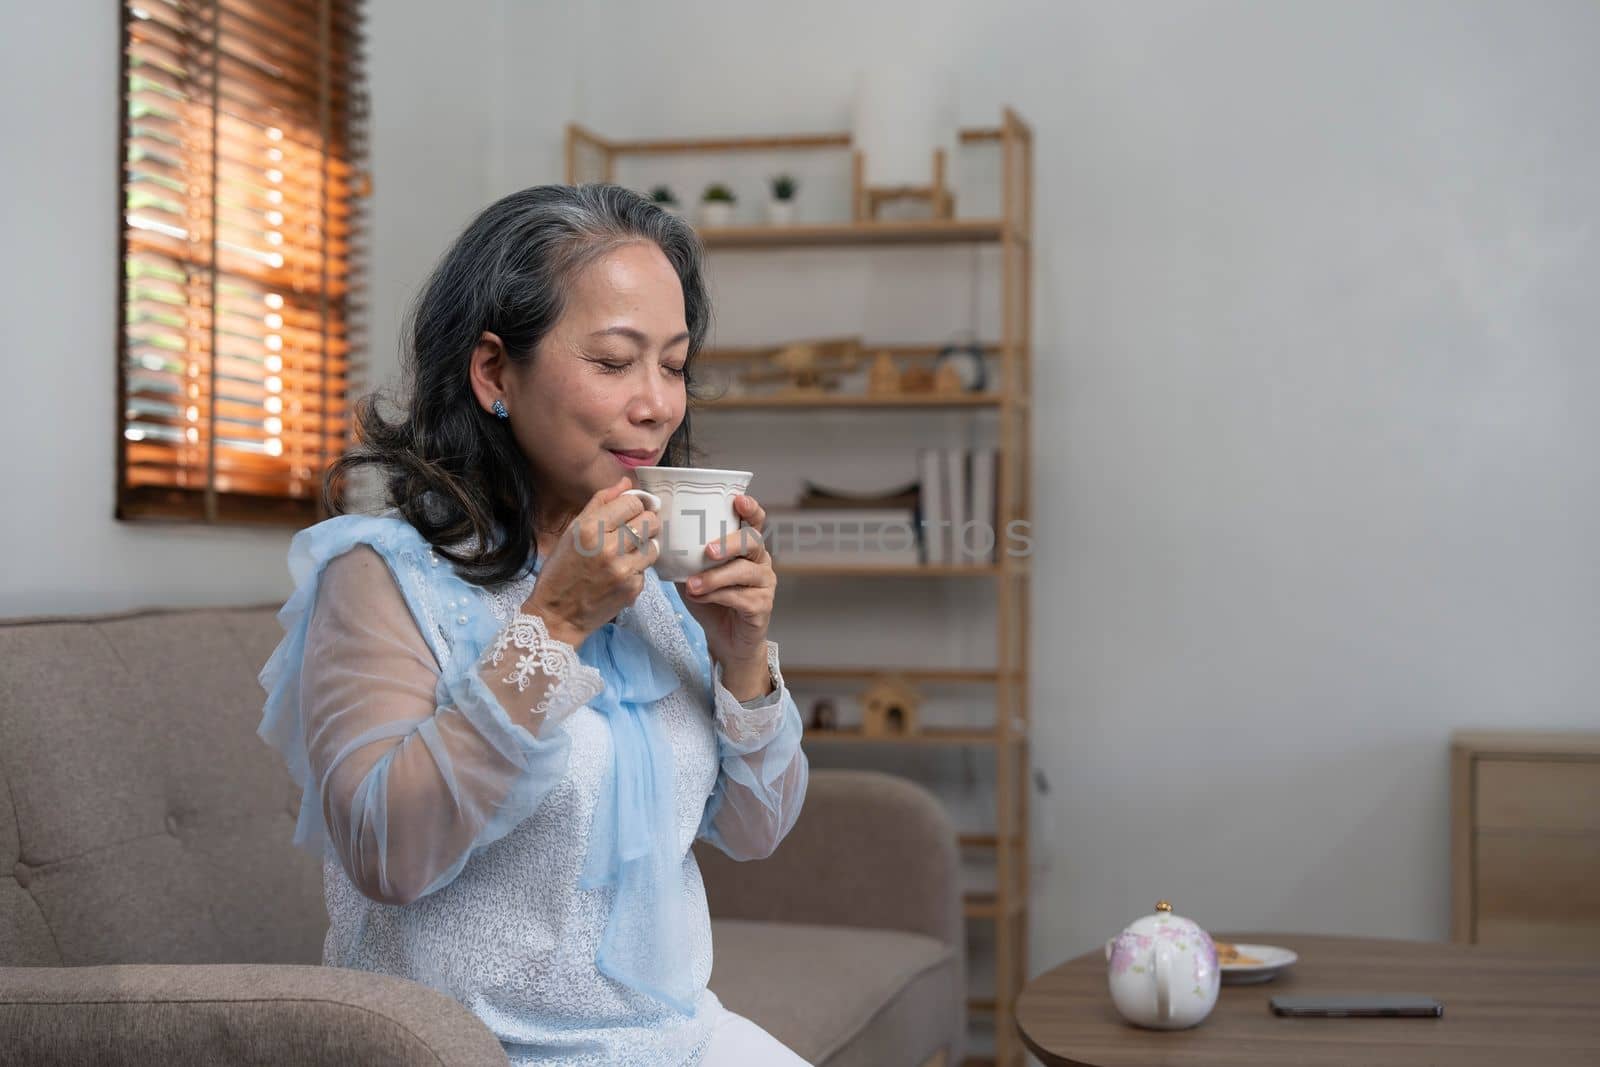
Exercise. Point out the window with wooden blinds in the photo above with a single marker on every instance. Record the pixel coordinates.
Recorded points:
(243, 185)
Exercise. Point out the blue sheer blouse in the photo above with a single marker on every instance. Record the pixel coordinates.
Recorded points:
(455, 822)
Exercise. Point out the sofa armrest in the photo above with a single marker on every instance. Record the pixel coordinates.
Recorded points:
(235, 1014)
(868, 849)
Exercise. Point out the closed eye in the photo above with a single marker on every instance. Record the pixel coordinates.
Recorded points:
(613, 367)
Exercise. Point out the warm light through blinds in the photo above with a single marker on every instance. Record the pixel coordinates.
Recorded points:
(244, 160)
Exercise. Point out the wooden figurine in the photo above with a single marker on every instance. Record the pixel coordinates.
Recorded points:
(889, 707)
(947, 380)
(799, 363)
(808, 367)
(883, 379)
(916, 379)
(824, 715)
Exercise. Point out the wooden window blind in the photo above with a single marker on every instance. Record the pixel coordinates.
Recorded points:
(243, 190)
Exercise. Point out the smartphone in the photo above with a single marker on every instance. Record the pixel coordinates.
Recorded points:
(1358, 1005)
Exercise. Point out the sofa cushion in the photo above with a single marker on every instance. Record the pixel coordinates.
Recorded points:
(839, 996)
(24, 937)
(150, 823)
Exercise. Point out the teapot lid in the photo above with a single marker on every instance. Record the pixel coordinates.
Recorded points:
(1163, 916)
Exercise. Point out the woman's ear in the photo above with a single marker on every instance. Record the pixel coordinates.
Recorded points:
(487, 370)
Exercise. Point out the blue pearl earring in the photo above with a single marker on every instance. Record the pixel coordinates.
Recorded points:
(500, 409)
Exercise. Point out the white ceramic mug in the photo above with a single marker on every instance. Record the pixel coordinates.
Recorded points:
(696, 508)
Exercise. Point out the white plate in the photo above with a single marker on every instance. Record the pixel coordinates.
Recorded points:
(1273, 959)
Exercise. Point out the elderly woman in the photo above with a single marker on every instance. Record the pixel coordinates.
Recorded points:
(508, 730)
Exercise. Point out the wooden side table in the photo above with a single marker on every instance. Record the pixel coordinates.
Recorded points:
(1525, 840)
(1501, 1007)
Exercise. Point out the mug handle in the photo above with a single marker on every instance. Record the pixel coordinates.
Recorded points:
(651, 501)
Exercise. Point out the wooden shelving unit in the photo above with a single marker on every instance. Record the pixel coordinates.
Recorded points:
(921, 737)
(941, 675)
(591, 157)
(989, 906)
(890, 570)
(816, 403)
(822, 235)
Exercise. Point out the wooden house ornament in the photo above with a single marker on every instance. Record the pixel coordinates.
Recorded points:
(889, 706)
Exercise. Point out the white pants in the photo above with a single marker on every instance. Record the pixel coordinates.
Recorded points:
(738, 1042)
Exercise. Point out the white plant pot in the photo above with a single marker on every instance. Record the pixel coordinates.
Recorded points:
(780, 212)
(716, 213)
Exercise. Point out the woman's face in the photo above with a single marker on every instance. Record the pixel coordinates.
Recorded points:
(605, 389)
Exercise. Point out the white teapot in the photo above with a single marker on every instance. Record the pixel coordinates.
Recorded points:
(1163, 971)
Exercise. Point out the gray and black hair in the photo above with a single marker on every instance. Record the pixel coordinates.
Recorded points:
(452, 469)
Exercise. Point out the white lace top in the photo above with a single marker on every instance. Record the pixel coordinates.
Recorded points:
(453, 836)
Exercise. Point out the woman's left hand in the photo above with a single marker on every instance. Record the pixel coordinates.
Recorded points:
(733, 600)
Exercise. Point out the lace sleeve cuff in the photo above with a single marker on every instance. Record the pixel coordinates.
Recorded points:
(559, 681)
(751, 724)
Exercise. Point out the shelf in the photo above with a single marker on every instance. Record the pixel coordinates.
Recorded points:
(746, 353)
(790, 401)
(984, 841)
(788, 142)
(986, 906)
(825, 234)
(890, 570)
(853, 736)
(930, 675)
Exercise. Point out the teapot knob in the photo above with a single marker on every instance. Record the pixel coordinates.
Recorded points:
(1162, 905)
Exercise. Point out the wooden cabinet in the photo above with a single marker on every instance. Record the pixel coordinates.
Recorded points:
(1525, 840)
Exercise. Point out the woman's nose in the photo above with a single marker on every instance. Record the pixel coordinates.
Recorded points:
(650, 402)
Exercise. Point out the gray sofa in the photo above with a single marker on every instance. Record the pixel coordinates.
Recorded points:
(153, 910)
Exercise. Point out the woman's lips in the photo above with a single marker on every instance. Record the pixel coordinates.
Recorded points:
(634, 460)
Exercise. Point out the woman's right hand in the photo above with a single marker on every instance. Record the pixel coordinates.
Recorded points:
(597, 568)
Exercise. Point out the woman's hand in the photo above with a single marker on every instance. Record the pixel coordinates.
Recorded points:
(597, 567)
(733, 602)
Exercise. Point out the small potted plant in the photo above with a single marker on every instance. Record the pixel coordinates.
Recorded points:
(780, 209)
(716, 205)
(662, 197)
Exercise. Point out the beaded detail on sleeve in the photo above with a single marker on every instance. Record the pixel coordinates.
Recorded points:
(526, 648)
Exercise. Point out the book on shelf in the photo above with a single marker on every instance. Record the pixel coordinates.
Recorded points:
(955, 472)
(933, 515)
(981, 542)
(957, 512)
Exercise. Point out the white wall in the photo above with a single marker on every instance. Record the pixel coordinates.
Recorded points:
(434, 132)
(58, 320)
(1314, 482)
(1322, 330)
(434, 126)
